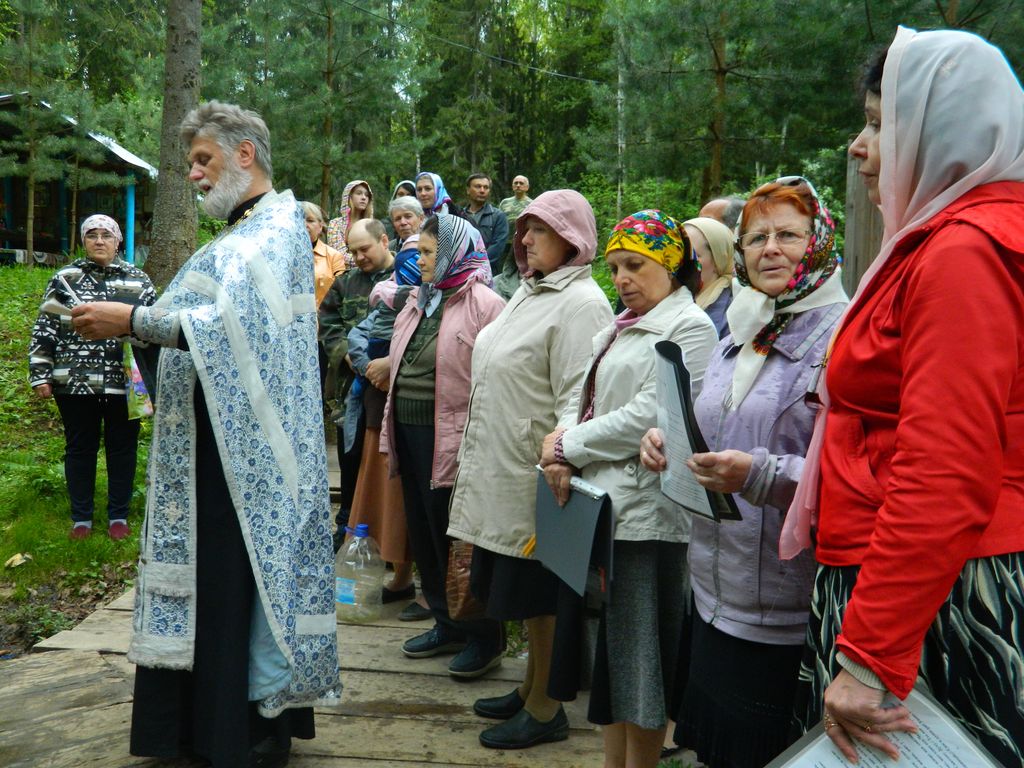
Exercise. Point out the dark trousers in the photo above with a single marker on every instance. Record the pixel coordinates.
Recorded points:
(348, 463)
(426, 514)
(85, 417)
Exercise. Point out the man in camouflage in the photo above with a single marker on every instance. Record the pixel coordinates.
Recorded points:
(346, 304)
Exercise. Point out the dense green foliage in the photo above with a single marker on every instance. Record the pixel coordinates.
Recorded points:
(714, 95)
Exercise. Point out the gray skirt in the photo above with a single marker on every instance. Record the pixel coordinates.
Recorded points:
(971, 659)
(639, 635)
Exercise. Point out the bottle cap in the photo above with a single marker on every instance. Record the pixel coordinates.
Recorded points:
(362, 530)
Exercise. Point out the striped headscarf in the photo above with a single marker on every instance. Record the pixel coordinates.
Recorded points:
(655, 235)
(461, 254)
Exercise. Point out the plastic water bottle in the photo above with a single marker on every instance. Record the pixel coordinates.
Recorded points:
(359, 581)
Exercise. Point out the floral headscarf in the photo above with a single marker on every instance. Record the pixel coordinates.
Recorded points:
(337, 229)
(99, 221)
(756, 320)
(655, 235)
(440, 193)
(461, 254)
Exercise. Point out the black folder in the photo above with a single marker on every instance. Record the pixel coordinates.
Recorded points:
(575, 541)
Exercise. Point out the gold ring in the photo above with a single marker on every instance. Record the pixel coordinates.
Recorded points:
(829, 722)
(867, 727)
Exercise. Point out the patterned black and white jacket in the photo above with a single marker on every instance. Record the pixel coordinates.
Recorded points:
(60, 357)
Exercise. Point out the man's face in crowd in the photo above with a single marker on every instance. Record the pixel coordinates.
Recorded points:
(520, 184)
(478, 191)
(370, 255)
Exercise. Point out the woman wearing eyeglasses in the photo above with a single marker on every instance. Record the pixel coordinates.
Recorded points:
(86, 378)
(751, 608)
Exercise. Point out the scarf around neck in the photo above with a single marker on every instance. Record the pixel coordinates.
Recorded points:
(756, 320)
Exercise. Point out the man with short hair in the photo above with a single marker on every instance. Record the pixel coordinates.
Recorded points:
(346, 304)
(513, 206)
(724, 209)
(508, 280)
(234, 631)
(489, 221)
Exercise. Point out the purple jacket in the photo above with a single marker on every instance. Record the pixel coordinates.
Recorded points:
(739, 584)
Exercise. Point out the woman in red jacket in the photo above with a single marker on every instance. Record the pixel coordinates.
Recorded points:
(921, 495)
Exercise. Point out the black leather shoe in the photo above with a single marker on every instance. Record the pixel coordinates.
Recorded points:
(415, 612)
(394, 595)
(523, 731)
(499, 707)
(431, 643)
(473, 661)
(269, 754)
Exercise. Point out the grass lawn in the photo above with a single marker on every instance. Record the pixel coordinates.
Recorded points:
(64, 580)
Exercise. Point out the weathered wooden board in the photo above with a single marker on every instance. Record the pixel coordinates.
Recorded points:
(37, 688)
(426, 742)
(105, 630)
(380, 649)
(124, 603)
(424, 697)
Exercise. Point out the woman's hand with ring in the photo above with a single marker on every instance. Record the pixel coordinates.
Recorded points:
(857, 709)
(651, 446)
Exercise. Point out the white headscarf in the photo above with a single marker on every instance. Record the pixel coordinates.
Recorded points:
(952, 120)
(957, 109)
(99, 221)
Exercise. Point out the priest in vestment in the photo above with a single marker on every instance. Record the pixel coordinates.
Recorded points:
(234, 625)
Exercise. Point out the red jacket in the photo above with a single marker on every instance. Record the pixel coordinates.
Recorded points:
(923, 460)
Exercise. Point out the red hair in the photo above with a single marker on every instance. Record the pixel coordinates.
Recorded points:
(768, 195)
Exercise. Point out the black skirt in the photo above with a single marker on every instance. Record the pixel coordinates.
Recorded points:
(512, 588)
(738, 702)
(205, 712)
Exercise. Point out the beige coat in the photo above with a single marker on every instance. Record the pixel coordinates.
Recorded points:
(526, 365)
(607, 447)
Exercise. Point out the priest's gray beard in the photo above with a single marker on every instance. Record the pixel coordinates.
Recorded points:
(227, 192)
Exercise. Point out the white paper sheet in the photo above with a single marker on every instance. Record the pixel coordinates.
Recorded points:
(940, 742)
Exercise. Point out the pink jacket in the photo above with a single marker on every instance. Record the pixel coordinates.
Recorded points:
(472, 307)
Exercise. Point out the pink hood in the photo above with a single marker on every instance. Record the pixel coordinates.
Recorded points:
(569, 214)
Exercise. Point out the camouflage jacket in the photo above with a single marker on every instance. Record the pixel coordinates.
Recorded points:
(346, 304)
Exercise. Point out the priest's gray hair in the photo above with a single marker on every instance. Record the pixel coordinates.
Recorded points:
(406, 203)
(229, 125)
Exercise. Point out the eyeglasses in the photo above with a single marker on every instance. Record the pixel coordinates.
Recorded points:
(786, 238)
(98, 236)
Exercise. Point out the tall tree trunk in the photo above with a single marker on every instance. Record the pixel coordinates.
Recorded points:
(328, 130)
(174, 211)
(718, 120)
(74, 206)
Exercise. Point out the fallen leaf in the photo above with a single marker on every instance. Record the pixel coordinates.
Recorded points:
(19, 559)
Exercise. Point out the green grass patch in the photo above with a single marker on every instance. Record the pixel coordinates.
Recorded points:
(64, 579)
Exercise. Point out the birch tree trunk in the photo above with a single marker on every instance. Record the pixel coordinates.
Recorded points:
(174, 211)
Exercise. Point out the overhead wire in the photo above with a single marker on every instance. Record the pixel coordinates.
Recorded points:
(470, 48)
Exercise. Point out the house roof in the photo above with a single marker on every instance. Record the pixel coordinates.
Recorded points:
(112, 146)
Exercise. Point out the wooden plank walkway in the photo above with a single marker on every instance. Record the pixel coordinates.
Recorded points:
(71, 707)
